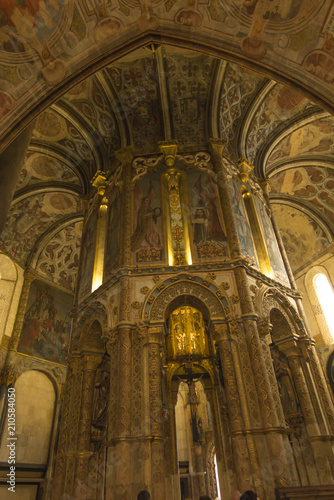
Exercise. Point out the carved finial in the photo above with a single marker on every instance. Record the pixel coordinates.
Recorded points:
(245, 169)
(169, 150)
(99, 181)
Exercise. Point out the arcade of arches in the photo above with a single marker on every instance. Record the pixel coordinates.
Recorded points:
(166, 209)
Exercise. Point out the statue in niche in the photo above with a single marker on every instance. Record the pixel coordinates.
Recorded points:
(285, 384)
(196, 421)
(101, 395)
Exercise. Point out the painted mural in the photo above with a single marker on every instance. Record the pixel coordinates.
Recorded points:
(59, 259)
(44, 168)
(112, 252)
(51, 126)
(46, 326)
(208, 231)
(302, 236)
(29, 218)
(278, 106)
(314, 184)
(137, 86)
(274, 254)
(88, 255)
(188, 82)
(243, 228)
(316, 137)
(147, 242)
(238, 86)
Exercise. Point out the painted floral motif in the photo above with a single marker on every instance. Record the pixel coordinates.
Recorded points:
(59, 259)
(279, 105)
(43, 168)
(188, 80)
(29, 218)
(314, 184)
(316, 137)
(302, 236)
(238, 86)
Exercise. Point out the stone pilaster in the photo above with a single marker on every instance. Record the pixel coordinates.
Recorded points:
(125, 156)
(157, 457)
(239, 443)
(320, 452)
(216, 147)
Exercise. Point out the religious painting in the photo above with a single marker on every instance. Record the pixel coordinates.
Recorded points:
(112, 253)
(304, 239)
(88, 256)
(269, 237)
(207, 225)
(47, 325)
(243, 227)
(147, 238)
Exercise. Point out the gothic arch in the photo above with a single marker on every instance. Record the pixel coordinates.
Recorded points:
(274, 303)
(91, 327)
(195, 291)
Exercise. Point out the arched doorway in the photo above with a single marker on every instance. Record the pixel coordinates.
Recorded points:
(192, 388)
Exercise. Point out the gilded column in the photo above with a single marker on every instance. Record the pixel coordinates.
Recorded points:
(125, 156)
(239, 443)
(216, 147)
(154, 342)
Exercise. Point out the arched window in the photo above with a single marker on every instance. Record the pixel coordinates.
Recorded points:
(325, 295)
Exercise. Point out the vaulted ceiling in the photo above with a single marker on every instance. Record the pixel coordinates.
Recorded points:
(161, 92)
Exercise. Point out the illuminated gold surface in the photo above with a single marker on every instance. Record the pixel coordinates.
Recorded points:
(101, 234)
(260, 246)
(187, 332)
(178, 241)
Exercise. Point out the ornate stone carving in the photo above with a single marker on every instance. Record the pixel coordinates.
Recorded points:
(163, 299)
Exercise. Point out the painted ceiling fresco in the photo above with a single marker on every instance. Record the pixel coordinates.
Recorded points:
(160, 92)
(45, 44)
(303, 237)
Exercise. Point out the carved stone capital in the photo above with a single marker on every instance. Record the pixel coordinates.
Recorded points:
(264, 326)
(155, 334)
(245, 168)
(141, 330)
(91, 362)
(216, 146)
(169, 150)
(125, 155)
(219, 332)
